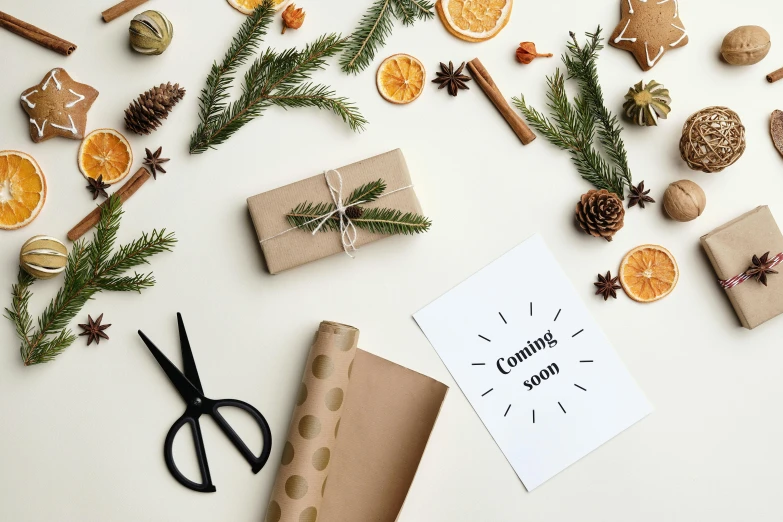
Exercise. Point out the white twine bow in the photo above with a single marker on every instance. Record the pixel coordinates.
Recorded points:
(348, 231)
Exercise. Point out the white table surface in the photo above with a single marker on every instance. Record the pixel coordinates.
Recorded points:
(81, 437)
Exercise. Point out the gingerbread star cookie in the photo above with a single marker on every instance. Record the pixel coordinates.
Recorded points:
(58, 106)
(649, 28)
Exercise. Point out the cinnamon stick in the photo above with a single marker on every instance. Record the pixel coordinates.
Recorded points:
(484, 80)
(36, 35)
(775, 76)
(120, 9)
(125, 192)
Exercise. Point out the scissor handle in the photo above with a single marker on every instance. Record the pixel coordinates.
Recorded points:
(206, 486)
(256, 462)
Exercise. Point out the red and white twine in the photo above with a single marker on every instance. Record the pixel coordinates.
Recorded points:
(741, 278)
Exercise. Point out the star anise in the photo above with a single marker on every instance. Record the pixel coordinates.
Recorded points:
(761, 267)
(455, 80)
(94, 329)
(607, 286)
(153, 162)
(97, 187)
(639, 195)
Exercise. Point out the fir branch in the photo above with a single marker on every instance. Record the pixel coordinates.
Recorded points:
(367, 193)
(244, 44)
(575, 126)
(582, 66)
(90, 269)
(273, 79)
(376, 25)
(390, 221)
(310, 216)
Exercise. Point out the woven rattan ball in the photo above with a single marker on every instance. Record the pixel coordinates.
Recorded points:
(712, 139)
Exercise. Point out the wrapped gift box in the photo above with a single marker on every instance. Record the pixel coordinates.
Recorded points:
(284, 250)
(731, 248)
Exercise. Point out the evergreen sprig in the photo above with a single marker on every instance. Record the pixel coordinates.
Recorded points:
(91, 268)
(575, 125)
(273, 79)
(308, 216)
(376, 25)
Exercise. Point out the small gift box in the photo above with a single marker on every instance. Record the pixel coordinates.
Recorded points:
(286, 245)
(737, 252)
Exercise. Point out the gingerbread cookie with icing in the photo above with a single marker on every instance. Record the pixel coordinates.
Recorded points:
(58, 106)
(649, 28)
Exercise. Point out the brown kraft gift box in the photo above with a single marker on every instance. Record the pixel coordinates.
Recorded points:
(297, 247)
(731, 247)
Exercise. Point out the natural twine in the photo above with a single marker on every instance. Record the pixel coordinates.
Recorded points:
(712, 139)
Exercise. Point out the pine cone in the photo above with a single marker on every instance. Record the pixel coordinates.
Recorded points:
(144, 114)
(600, 213)
(354, 212)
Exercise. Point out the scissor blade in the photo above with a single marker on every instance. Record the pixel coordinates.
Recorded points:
(185, 388)
(188, 362)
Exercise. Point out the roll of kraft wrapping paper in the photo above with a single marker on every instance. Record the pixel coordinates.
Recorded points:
(357, 434)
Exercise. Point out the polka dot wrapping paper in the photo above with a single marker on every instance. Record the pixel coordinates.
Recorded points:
(357, 434)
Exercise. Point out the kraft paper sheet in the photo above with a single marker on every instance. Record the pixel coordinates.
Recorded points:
(356, 437)
(297, 247)
(730, 248)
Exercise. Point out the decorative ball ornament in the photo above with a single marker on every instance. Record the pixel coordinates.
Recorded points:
(150, 32)
(43, 257)
(684, 200)
(712, 139)
(645, 104)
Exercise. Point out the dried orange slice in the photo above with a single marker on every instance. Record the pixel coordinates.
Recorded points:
(247, 6)
(400, 78)
(105, 152)
(648, 273)
(474, 20)
(22, 189)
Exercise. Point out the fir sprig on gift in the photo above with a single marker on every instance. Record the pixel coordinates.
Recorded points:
(309, 216)
(273, 79)
(376, 25)
(91, 269)
(575, 126)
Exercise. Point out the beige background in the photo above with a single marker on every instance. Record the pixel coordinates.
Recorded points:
(81, 437)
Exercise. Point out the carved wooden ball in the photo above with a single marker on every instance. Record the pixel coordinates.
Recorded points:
(684, 200)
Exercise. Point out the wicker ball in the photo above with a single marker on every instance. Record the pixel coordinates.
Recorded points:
(712, 139)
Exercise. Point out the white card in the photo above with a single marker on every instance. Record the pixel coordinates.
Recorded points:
(535, 366)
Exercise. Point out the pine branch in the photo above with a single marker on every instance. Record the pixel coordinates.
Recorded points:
(90, 269)
(390, 221)
(274, 78)
(367, 193)
(213, 96)
(376, 25)
(582, 66)
(573, 125)
(309, 216)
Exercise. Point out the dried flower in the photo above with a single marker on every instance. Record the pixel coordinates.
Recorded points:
(293, 17)
(526, 53)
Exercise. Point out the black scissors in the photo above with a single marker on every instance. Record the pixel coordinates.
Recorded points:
(189, 387)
